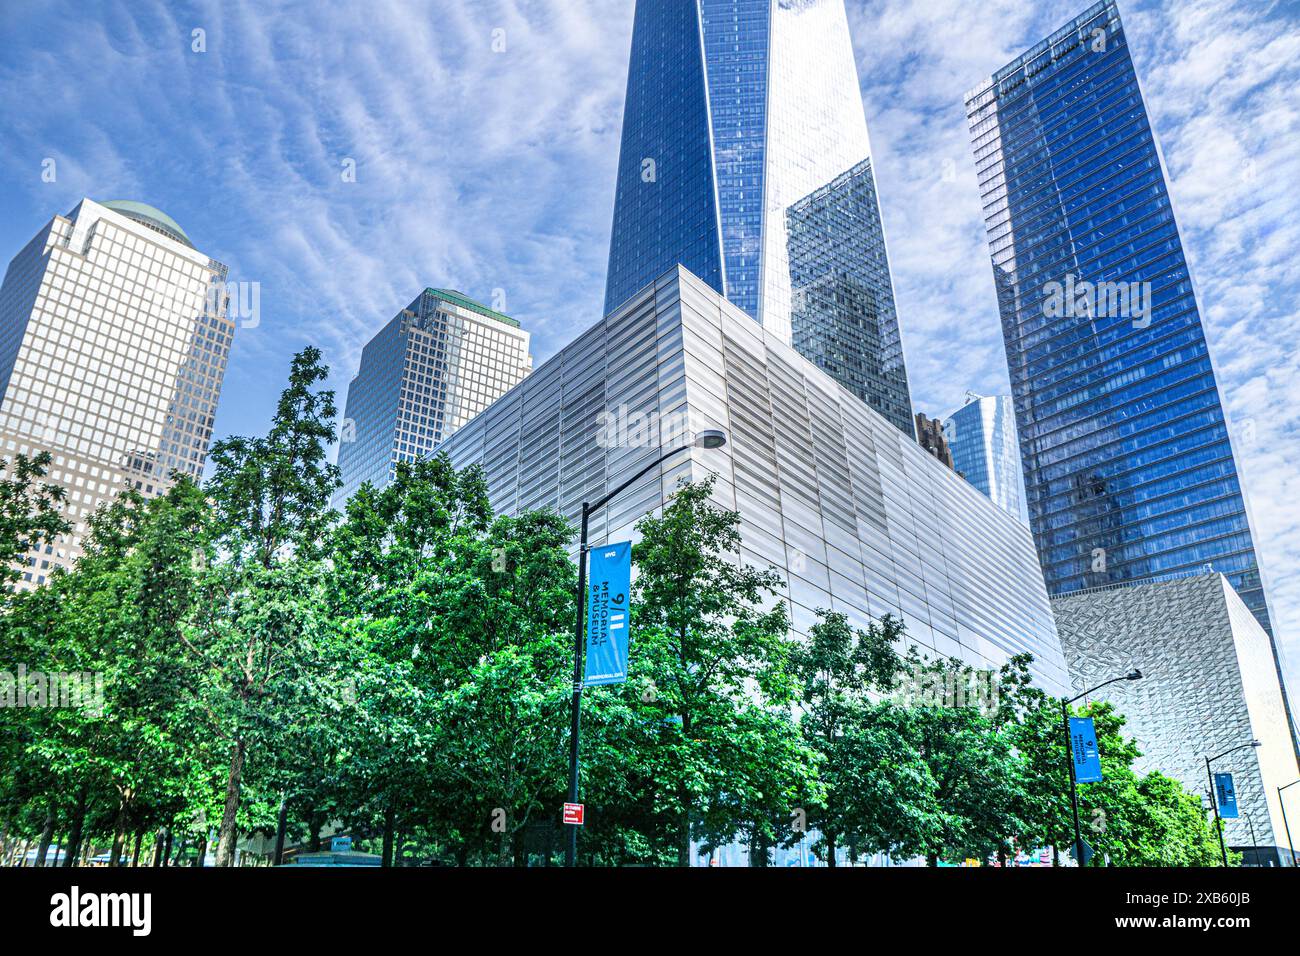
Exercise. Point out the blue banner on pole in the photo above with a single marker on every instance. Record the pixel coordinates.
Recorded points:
(1226, 794)
(1083, 750)
(608, 617)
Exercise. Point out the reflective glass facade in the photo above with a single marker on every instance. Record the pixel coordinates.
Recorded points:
(665, 202)
(433, 367)
(854, 515)
(114, 338)
(1129, 472)
(841, 313)
(744, 155)
(985, 449)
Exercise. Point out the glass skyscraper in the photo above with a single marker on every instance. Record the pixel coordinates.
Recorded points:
(982, 437)
(114, 337)
(745, 157)
(1129, 470)
(433, 367)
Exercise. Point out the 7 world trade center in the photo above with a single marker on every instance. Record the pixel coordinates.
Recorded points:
(1129, 466)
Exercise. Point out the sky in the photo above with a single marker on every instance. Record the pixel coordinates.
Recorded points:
(347, 156)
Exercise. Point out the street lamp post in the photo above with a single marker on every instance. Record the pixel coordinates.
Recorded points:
(710, 438)
(1286, 826)
(1254, 840)
(1214, 797)
(1134, 674)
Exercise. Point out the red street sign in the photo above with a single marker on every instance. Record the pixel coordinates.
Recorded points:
(573, 813)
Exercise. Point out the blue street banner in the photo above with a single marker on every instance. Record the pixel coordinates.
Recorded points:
(1226, 794)
(1083, 750)
(607, 613)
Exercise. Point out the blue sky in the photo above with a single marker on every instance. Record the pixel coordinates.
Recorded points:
(485, 168)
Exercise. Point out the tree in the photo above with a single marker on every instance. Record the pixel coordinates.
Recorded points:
(256, 641)
(1128, 820)
(1169, 828)
(30, 513)
(464, 621)
(964, 724)
(879, 795)
(709, 688)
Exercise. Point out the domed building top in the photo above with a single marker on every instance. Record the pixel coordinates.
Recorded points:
(150, 216)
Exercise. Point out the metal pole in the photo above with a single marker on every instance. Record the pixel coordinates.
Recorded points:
(571, 848)
(1214, 802)
(1254, 840)
(1286, 826)
(1074, 788)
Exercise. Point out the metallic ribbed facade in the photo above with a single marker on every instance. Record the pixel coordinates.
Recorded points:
(114, 338)
(986, 450)
(745, 158)
(1209, 685)
(855, 515)
(432, 368)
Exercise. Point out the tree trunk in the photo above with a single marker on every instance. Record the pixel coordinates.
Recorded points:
(47, 834)
(158, 857)
(830, 850)
(229, 827)
(684, 835)
(932, 859)
(203, 853)
(390, 821)
(504, 857)
(167, 850)
(78, 827)
(281, 826)
(315, 822)
(119, 835)
(135, 857)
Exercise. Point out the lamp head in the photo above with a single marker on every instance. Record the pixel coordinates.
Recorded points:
(1134, 674)
(711, 438)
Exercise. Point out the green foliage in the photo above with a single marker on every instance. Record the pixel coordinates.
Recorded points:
(699, 744)
(403, 670)
(29, 512)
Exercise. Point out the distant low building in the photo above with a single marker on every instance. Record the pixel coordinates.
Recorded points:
(929, 433)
